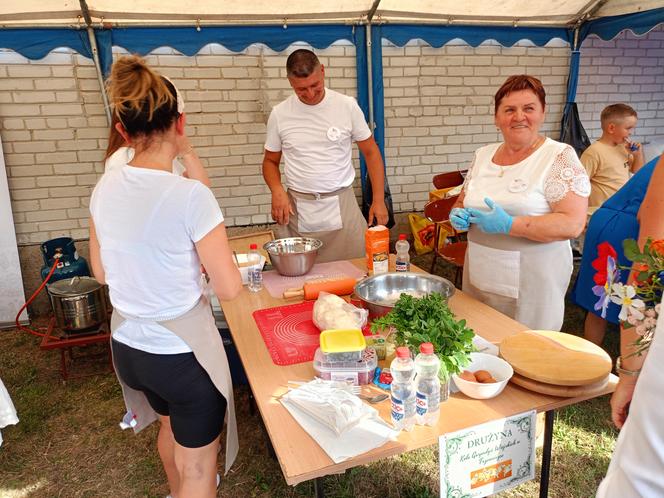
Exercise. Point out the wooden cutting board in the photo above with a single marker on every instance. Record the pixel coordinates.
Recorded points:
(555, 358)
(561, 391)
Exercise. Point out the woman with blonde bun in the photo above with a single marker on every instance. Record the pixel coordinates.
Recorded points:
(150, 231)
(187, 163)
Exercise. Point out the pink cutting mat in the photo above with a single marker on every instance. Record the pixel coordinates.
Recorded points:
(289, 332)
(276, 284)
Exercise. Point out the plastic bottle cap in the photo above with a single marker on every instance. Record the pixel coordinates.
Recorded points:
(253, 246)
(426, 348)
(403, 352)
(402, 236)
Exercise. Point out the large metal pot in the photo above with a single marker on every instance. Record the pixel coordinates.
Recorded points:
(379, 293)
(79, 303)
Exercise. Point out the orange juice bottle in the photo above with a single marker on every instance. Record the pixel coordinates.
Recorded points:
(377, 245)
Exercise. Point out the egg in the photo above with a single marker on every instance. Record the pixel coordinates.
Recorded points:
(468, 375)
(484, 377)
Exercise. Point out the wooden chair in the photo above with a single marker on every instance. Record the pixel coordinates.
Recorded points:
(447, 180)
(438, 211)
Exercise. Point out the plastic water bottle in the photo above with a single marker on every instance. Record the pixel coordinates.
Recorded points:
(427, 365)
(254, 273)
(403, 257)
(402, 369)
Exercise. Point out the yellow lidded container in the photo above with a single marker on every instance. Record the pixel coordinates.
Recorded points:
(342, 344)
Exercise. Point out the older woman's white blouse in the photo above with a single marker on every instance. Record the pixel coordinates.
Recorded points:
(522, 278)
(529, 187)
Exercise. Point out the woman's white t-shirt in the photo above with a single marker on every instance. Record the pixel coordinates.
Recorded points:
(147, 222)
(124, 155)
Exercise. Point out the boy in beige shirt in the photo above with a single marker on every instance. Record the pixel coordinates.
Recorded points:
(611, 159)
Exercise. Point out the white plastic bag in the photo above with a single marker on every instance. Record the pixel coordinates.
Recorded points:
(333, 312)
(329, 403)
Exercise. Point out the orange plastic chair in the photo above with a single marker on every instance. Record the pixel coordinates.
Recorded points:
(438, 211)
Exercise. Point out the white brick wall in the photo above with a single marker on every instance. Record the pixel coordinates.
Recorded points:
(628, 69)
(54, 130)
(439, 106)
(438, 109)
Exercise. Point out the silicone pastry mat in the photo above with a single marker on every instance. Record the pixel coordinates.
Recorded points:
(289, 332)
(276, 284)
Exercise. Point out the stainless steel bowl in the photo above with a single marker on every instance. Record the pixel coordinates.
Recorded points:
(293, 256)
(379, 293)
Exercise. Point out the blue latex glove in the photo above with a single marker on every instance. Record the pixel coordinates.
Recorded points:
(495, 221)
(460, 219)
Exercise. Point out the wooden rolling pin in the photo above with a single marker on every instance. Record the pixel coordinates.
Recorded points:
(310, 290)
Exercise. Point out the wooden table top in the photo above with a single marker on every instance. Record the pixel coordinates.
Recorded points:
(300, 456)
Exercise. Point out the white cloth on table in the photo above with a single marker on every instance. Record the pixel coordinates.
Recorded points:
(637, 465)
(521, 278)
(364, 429)
(7, 409)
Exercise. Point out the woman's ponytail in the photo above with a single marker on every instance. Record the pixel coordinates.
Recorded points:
(142, 100)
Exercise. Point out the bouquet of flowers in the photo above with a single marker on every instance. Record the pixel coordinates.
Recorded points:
(640, 302)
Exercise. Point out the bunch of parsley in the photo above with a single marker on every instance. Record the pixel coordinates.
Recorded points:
(429, 319)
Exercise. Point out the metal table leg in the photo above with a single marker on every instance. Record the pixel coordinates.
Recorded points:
(546, 454)
(318, 487)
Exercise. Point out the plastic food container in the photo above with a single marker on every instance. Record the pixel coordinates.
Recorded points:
(342, 345)
(358, 372)
(342, 357)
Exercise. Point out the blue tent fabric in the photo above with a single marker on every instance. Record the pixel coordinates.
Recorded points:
(573, 78)
(439, 35)
(378, 92)
(608, 28)
(189, 40)
(104, 39)
(37, 43)
(572, 83)
(360, 41)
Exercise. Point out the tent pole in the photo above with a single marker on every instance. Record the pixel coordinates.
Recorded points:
(100, 76)
(372, 124)
(370, 14)
(95, 57)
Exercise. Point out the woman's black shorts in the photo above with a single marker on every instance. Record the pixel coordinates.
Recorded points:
(176, 386)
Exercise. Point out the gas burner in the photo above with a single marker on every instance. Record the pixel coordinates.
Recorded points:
(65, 341)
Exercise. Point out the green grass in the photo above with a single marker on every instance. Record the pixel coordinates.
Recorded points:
(68, 443)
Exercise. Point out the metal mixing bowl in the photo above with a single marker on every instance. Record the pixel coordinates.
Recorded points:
(379, 292)
(293, 256)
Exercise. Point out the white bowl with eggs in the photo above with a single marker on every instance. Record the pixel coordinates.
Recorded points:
(499, 369)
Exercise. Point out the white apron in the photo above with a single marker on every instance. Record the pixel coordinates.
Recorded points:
(197, 328)
(637, 465)
(523, 279)
(335, 218)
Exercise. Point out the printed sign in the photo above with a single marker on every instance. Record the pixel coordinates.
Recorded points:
(488, 458)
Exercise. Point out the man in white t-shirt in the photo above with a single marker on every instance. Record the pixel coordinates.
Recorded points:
(315, 129)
